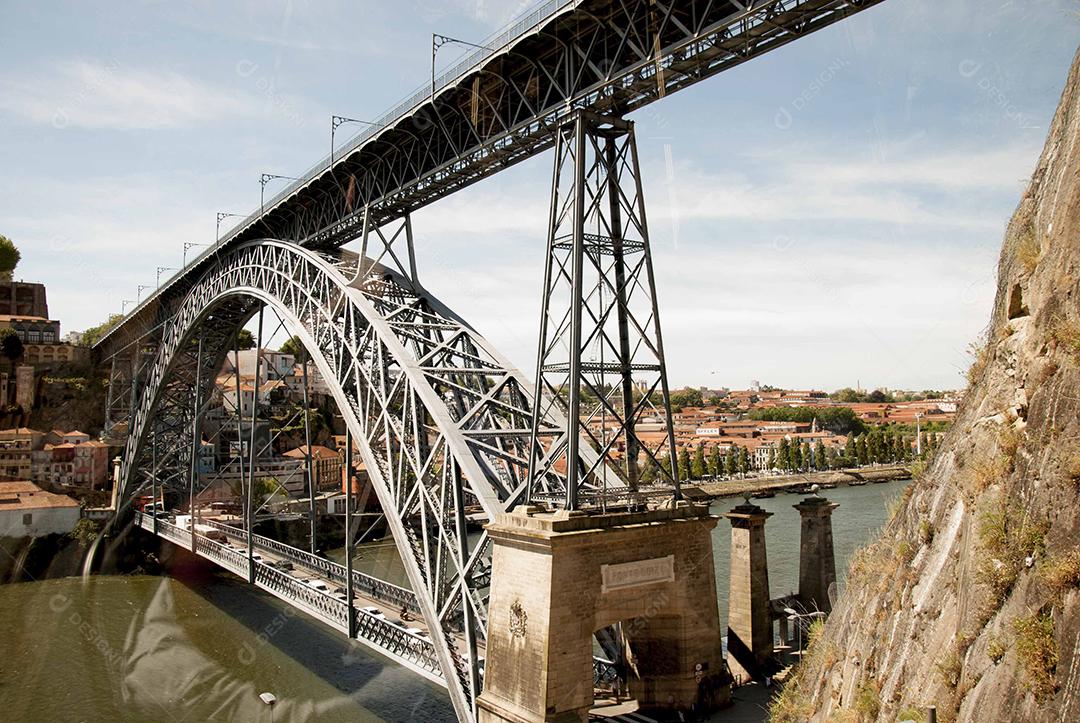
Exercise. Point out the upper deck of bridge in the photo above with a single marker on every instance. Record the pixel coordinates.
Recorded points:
(500, 104)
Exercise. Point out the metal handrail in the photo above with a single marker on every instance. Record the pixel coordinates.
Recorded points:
(335, 572)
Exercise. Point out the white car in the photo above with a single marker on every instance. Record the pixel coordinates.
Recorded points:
(318, 585)
(417, 632)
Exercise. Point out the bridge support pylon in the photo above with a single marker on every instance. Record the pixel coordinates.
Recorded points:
(558, 577)
(600, 360)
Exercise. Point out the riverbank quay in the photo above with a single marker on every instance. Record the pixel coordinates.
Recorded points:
(795, 482)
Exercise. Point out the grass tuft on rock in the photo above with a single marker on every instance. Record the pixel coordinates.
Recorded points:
(1037, 651)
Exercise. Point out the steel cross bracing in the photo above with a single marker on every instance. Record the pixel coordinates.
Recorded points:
(441, 420)
(503, 105)
(600, 360)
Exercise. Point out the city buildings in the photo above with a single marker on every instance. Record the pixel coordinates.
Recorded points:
(56, 458)
(25, 310)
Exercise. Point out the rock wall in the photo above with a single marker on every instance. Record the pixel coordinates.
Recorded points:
(970, 599)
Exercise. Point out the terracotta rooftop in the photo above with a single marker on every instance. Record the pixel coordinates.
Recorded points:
(28, 496)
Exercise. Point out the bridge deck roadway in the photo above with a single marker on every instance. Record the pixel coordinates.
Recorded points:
(406, 642)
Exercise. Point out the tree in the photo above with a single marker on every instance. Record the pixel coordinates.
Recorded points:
(731, 463)
(245, 340)
(820, 462)
(684, 464)
(772, 457)
(796, 456)
(832, 459)
(94, 334)
(715, 464)
(11, 345)
(649, 471)
(807, 455)
(9, 257)
(847, 395)
(861, 453)
(784, 454)
(838, 420)
(686, 397)
(294, 346)
(849, 448)
(744, 460)
(697, 465)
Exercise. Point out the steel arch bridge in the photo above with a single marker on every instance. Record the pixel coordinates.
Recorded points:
(445, 426)
(440, 419)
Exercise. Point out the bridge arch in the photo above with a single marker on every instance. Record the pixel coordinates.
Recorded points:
(439, 418)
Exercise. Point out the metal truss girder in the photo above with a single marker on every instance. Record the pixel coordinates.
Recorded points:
(607, 56)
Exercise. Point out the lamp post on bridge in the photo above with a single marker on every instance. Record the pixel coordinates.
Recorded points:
(437, 41)
(164, 268)
(188, 246)
(142, 288)
(265, 179)
(339, 120)
(124, 305)
(221, 216)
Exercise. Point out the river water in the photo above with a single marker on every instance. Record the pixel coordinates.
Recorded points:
(202, 646)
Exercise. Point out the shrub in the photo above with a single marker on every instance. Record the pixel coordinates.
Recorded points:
(926, 532)
(980, 353)
(790, 706)
(1037, 651)
(911, 713)
(1062, 573)
(949, 669)
(1007, 537)
(986, 473)
(867, 701)
(996, 648)
(1066, 332)
(1027, 249)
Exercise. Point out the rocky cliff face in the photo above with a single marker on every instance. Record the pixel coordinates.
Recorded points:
(970, 600)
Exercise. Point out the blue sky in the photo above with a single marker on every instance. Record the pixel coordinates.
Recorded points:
(828, 214)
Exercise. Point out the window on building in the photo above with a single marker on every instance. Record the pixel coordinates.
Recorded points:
(33, 337)
(49, 337)
(27, 518)
(21, 334)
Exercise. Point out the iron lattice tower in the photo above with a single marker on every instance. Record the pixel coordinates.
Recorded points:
(600, 362)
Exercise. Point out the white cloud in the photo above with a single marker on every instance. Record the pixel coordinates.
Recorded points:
(107, 95)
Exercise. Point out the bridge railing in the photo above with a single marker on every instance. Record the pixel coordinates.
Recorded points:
(335, 612)
(227, 557)
(363, 584)
(416, 649)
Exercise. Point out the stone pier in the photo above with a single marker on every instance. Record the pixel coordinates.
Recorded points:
(817, 565)
(559, 577)
(750, 637)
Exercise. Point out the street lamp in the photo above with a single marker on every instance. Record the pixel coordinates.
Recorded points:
(164, 268)
(187, 247)
(217, 227)
(796, 617)
(143, 287)
(265, 179)
(437, 41)
(124, 305)
(337, 120)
